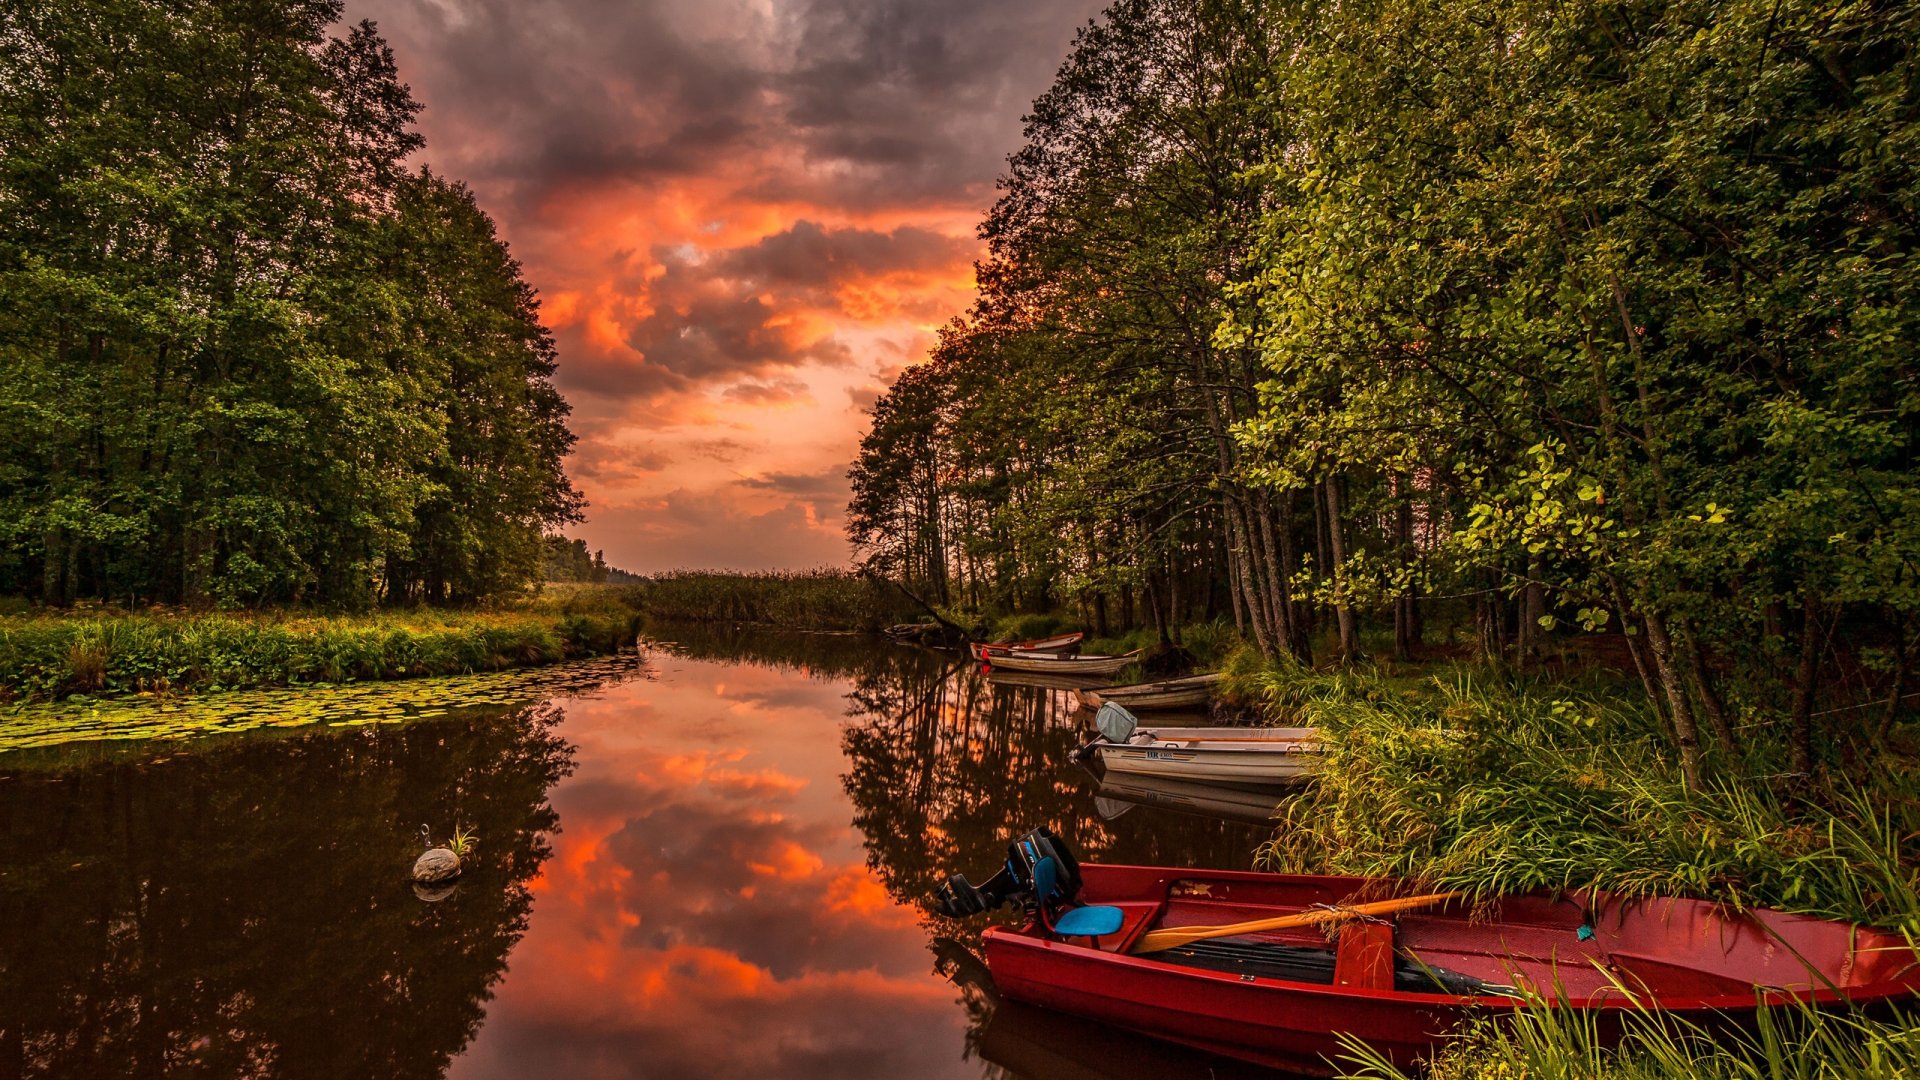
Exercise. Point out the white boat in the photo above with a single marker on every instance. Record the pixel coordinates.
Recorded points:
(1120, 792)
(1245, 757)
(1044, 664)
(1165, 694)
(1057, 645)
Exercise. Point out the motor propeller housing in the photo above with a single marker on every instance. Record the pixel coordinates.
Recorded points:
(1013, 882)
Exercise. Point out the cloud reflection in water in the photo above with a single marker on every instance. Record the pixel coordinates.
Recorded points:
(708, 910)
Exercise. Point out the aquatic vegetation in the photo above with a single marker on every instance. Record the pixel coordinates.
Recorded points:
(463, 841)
(138, 719)
(822, 599)
(51, 656)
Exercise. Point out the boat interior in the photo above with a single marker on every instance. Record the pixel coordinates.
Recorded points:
(1576, 947)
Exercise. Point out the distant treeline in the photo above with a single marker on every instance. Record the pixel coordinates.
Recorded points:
(1588, 316)
(569, 560)
(246, 355)
(824, 599)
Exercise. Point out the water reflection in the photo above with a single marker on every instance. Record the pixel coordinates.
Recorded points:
(715, 873)
(242, 909)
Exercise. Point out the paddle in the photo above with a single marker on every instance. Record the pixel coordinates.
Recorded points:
(1115, 722)
(1181, 935)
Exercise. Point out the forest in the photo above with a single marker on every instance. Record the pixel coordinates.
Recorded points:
(1589, 326)
(250, 355)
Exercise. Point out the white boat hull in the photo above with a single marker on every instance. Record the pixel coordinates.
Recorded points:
(1246, 757)
(1223, 802)
(1063, 665)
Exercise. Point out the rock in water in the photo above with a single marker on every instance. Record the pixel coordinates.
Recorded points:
(436, 866)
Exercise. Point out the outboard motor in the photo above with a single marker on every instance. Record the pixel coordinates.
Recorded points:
(1014, 882)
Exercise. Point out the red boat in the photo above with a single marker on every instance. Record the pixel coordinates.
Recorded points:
(1281, 997)
(1058, 645)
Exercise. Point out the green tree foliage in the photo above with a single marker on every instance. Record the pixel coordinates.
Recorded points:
(1632, 286)
(1593, 317)
(569, 560)
(1083, 445)
(248, 355)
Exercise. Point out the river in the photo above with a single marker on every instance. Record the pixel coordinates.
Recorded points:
(707, 864)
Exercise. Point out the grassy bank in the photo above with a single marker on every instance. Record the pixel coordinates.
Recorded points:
(1469, 779)
(52, 656)
(794, 600)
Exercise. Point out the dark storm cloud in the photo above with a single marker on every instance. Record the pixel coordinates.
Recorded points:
(921, 100)
(826, 492)
(767, 393)
(813, 257)
(727, 314)
(885, 103)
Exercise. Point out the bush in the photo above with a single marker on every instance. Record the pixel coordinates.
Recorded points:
(1494, 790)
(50, 656)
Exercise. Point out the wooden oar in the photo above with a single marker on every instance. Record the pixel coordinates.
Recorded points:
(1180, 935)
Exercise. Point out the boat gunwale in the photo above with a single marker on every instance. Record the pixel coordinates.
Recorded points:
(1610, 999)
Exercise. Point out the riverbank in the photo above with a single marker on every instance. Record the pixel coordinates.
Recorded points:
(1467, 778)
(102, 652)
(789, 600)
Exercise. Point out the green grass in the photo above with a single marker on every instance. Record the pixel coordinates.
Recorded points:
(796, 600)
(1487, 782)
(1495, 788)
(1547, 1043)
(104, 653)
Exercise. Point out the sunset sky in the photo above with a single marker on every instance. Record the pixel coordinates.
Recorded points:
(743, 218)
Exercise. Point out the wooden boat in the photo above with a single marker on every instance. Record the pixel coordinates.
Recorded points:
(1058, 645)
(1043, 664)
(1245, 757)
(1282, 997)
(1219, 801)
(1165, 694)
(999, 678)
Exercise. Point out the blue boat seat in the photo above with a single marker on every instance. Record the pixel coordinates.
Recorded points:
(1091, 920)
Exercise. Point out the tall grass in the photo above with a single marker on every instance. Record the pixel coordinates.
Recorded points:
(799, 600)
(1492, 790)
(1475, 781)
(1544, 1042)
(50, 656)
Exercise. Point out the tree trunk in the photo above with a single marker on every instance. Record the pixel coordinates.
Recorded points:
(1336, 543)
(1685, 732)
(1702, 682)
(1806, 685)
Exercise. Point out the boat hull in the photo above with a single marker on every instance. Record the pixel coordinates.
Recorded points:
(1058, 645)
(1240, 767)
(1070, 665)
(1243, 757)
(1221, 802)
(1696, 961)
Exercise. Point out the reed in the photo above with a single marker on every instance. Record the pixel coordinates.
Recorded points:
(799, 600)
(44, 657)
(1492, 788)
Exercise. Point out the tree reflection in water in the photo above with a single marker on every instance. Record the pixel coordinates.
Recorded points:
(945, 767)
(239, 906)
(149, 908)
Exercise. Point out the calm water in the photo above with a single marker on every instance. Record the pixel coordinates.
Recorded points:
(708, 867)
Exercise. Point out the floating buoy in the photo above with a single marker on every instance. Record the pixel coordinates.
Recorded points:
(436, 866)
